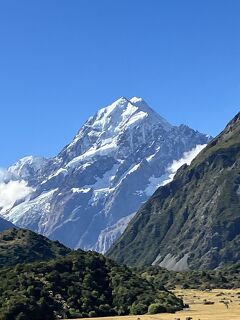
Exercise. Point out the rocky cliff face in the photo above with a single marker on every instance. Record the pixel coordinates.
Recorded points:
(194, 221)
(86, 195)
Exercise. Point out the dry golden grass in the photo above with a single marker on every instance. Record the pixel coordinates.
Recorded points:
(198, 310)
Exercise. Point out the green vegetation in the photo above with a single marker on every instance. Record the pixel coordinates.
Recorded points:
(20, 245)
(195, 219)
(156, 308)
(224, 278)
(76, 284)
(229, 138)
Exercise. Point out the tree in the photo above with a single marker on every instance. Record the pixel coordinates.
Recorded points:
(156, 308)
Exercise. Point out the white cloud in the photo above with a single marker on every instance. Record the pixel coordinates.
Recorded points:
(11, 190)
(186, 159)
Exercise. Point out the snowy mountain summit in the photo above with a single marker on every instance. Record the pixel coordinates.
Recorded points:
(87, 194)
(102, 134)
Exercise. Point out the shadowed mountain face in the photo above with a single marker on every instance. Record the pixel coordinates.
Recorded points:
(4, 224)
(194, 221)
(87, 194)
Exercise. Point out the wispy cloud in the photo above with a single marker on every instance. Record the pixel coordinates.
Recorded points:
(11, 190)
(186, 159)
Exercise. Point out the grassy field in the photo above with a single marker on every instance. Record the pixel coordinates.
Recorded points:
(199, 309)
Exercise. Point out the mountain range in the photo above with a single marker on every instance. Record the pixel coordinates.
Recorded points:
(87, 194)
(192, 222)
(171, 195)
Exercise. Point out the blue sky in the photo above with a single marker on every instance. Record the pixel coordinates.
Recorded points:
(60, 61)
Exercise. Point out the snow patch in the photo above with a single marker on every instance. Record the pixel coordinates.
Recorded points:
(102, 186)
(134, 168)
(139, 192)
(153, 155)
(31, 206)
(150, 157)
(137, 118)
(99, 195)
(55, 174)
(80, 190)
(106, 179)
(106, 149)
(142, 105)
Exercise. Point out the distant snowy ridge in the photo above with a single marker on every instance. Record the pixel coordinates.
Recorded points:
(86, 195)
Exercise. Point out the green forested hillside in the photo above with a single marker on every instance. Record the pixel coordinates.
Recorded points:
(194, 221)
(78, 284)
(21, 245)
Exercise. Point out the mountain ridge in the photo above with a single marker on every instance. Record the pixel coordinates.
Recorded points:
(25, 246)
(167, 230)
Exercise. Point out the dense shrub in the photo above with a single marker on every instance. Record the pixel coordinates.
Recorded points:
(81, 284)
(138, 308)
(225, 278)
(156, 308)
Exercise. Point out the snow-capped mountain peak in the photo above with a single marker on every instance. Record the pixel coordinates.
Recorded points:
(85, 194)
(142, 104)
(102, 134)
(120, 115)
(129, 120)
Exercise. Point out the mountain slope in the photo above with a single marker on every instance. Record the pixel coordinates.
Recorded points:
(220, 278)
(86, 195)
(25, 246)
(4, 224)
(70, 285)
(194, 221)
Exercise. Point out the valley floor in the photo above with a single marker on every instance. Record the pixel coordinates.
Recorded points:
(199, 310)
